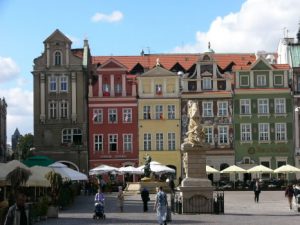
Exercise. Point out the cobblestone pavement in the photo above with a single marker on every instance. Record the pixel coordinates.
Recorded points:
(240, 209)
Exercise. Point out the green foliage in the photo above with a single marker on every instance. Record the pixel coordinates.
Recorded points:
(66, 194)
(55, 181)
(24, 144)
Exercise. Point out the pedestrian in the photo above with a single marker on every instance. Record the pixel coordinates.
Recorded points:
(179, 181)
(121, 198)
(99, 197)
(172, 185)
(257, 190)
(289, 194)
(145, 198)
(18, 214)
(161, 206)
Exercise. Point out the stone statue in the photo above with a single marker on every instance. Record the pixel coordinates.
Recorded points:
(195, 133)
(147, 169)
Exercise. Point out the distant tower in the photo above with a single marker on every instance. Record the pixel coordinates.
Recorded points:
(14, 140)
(3, 114)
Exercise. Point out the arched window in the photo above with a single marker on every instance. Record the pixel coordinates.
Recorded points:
(57, 58)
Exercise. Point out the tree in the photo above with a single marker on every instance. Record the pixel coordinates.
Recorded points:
(24, 144)
(56, 182)
(17, 177)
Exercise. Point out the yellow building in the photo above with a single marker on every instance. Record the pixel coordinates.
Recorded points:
(159, 117)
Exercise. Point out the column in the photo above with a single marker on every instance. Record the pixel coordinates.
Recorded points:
(199, 84)
(133, 90)
(74, 91)
(48, 54)
(271, 82)
(112, 85)
(215, 84)
(251, 79)
(164, 89)
(100, 89)
(297, 129)
(90, 88)
(237, 80)
(123, 85)
(67, 55)
(42, 98)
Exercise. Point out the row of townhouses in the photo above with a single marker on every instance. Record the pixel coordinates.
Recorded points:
(92, 110)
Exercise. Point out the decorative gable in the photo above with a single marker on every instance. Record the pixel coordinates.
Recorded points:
(261, 64)
(112, 64)
(158, 71)
(57, 36)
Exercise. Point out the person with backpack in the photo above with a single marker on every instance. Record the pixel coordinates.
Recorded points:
(161, 206)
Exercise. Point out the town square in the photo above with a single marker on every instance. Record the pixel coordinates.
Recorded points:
(129, 112)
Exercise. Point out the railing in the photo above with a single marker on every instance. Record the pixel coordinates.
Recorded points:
(198, 204)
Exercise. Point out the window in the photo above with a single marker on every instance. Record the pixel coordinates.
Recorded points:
(159, 141)
(244, 80)
(279, 105)
(171, 111)
(207, 109)
(106, 90)
(127, 115)
(64, 109)
(64, 83)
(223, 134)
(98, 142)
(98, 116)
(171, 141)
(278, 80)
(57, 58)
(206, 82)
(112, 115)
(246, 133)
(52, 84)
(118, 88)
(209, 135)
(158, 112)
(147, 112)
(245, 106)
(147, 142)
(280, 131)
(52, 110)
(113, 141)
(127, 142)
(222, 109)
(261, 80)
(158, 89)
(192, 85)
(72, 135)
(264, 131)
(263, 106)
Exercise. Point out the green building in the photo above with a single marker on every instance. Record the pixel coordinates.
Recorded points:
(263, 115)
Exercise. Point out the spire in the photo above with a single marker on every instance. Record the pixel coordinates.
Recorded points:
(298, 34)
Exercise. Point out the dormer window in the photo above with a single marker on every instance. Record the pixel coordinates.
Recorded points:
(118, 88)
(106, 91)
(158, 89)
(261, 80)
(57, 58)
(206, 83)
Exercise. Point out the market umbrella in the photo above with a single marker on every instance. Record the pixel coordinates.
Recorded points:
(130, 170)
(259, 169)
(210, 169)
(38, 160)
(157, 167)
(234, 170)
(287, 169)
(67, 173)
(103, 169)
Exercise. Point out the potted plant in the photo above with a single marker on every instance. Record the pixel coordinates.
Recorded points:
(55, 181)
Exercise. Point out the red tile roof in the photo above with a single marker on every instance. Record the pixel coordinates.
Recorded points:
(185, 60)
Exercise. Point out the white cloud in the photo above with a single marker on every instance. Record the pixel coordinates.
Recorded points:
(115, 16)
(8, 69)
(257, 26)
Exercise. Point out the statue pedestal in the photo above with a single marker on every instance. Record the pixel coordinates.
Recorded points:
(196, 190)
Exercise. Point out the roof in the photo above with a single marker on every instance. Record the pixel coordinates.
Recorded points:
(169, 60)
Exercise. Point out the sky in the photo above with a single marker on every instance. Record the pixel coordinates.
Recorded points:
(126, 27)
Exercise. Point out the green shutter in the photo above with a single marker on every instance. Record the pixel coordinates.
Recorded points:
(254, 106)
(271, 105)
(237, 132)
(289, 105)
(272, 134)
(236, 106)
(289, 127)
(254, 131)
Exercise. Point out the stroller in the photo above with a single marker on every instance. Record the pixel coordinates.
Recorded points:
(99, 211)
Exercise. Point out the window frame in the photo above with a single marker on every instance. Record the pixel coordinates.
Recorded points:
(57, 58)
(171, 112)
(127, 143)
(172, 141)
(112, 140)
(112, 112)
(245, 132)
(127, 112)
(263, 135)
(147, 142)
(223, 137)
(159, 141)
(241, 78)
(222, 109)
(280, 133)
(263, 105)
(206, 109)
(246, 106)
(159, 112)
(261, 80)
(279, 107)
(98, 144)
(206, 83)
(63, 81)
(97, 116)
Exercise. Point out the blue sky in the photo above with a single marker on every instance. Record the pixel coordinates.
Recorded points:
(120, 27)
